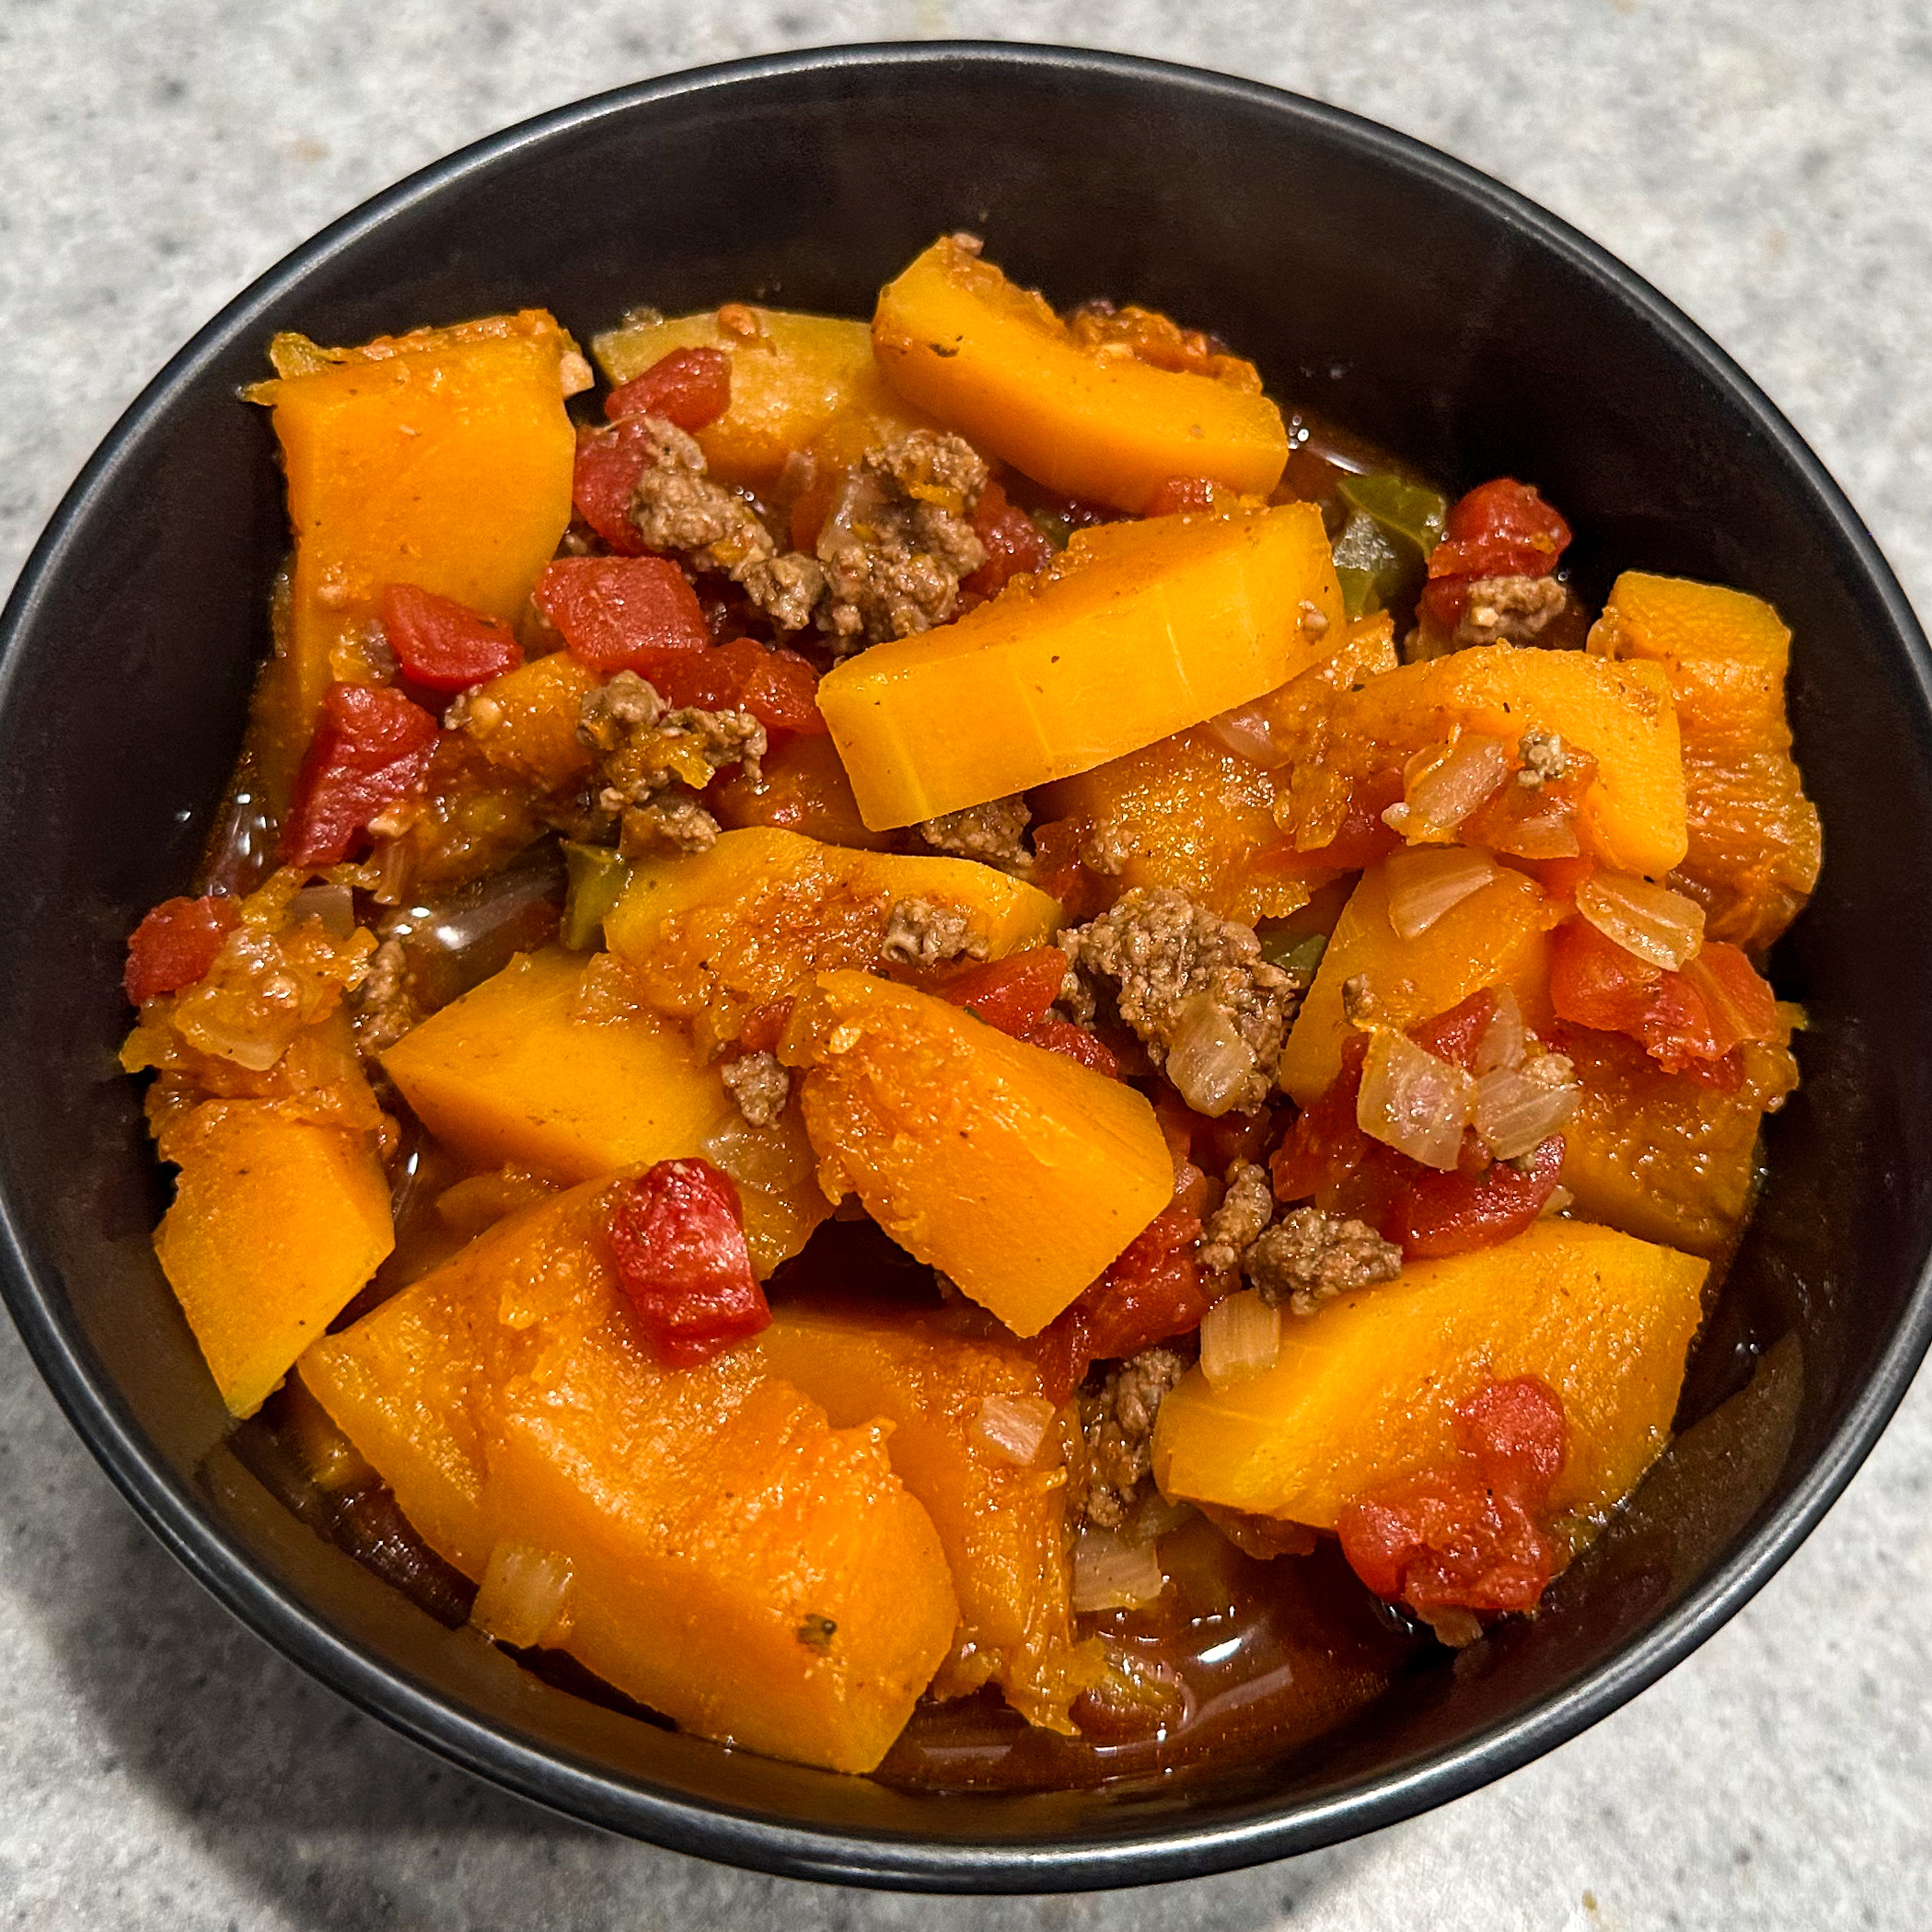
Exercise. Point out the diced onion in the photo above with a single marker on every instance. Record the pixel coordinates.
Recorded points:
(1441, 790)
(1246, 732)
(1412, 1101)
(1504, 1041)
(1208, 1061)
(1516, 1110)
(1549, 832)
(1652, 921)
(1112, 1574)
(1557, 1202)
(524, 1594)
(1012, 1427)
(334, 904)
(1427, 882)
(773, 1158)
(1241, 1336)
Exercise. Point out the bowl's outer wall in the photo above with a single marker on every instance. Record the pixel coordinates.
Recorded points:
(1371, 280)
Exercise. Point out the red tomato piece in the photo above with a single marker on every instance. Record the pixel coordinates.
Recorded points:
(1741, 1003)
(1073, 1043)
(1435, 1214)
(1179, 495)
(623, 613)
(175, 945)
(689, 387)
(764, 1026)
(1015, 543)
(1012, 993)
(677, 1234)
(1454, 1036)
(1363, 839)
(1154, 1290)
(779, 688)
(443, 645)
(1501, 528)
(609, 462)
(370, 750)
(1325, 1144)
(1471, 1536)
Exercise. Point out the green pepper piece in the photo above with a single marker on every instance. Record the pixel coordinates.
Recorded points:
(598, 878)
(1405, 510)
(1299, 956)
(1366, 564)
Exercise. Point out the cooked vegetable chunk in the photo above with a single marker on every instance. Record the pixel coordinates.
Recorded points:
(1366, 1390)
(515, 1072)
(713, 936)
(791, 374)
(1140, 629)
(1754, 843)
(1011, 1169)
(1499, 935)
(276, 1224)
(441, 459)
(964, 1414)
(993, 361)
(732, 1561)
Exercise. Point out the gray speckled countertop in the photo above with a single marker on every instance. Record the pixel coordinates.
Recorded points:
(1767, 163)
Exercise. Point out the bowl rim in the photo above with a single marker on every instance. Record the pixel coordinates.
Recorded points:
(554, 1779)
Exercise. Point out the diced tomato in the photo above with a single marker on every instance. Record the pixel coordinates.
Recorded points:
(1501, 528)
(1435, 1214)
(175, 945)
(1471, 1536)
(1179, 495)
(1325, 1144)
(1741, 1002)
(689, 387)
(1215, 1144)
(677, 1234)
(443, 645)
(1153, 1291)
(765, 1026)
(1013, 994)
(779, 688)
(1456, 1036)
(609, 462)
(623, 613)
(370, 750)
(1015, 543)
(1363, 839)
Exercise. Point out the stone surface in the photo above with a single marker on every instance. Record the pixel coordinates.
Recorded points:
(1768, 163)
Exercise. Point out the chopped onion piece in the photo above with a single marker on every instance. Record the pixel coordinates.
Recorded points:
(524, 1594)
(1557, 1202)
(1012, 1427)
(334, 904)
(1518, 1108)
(1111, 1574)
(1247, 733)
(1651, 922)
(1441, 790)
(1412, 1101)
(1549, 832)
(1241, 1336)
(773, 1158)
(1426, 883)
(1504, 1040)
(1208, 1061)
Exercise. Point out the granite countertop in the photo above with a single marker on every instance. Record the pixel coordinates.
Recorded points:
(1767, 163)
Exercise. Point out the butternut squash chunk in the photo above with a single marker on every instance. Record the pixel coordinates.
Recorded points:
(1139, 631)
(1497, 936)
(711, 936)
(1365, 1391)
(276, 1224)
(514, 1073)
(1632, 817)
(1014, 1171)
(441, 459)
(791, 374)
(525, 723)
(733, 1562)
(993, 361)
(1003, 1523)
(1754, 843)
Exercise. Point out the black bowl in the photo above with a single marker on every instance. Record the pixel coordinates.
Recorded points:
(1416, 301)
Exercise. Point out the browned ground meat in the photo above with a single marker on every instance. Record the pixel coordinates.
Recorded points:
(1181, 973)
(992, 833)
(1309, 1257)
(759, 1085)
(1247, 1206)
(382, 1008)
(920, 933)
(1118, 1420)
(1508, 610)
(1544, 757)
(899, 538)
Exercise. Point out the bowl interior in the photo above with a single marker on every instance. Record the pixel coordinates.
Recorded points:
(1370, 279)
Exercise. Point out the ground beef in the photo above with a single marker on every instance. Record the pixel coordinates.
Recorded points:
(382, 1008)
(1544, 757)
(758, 1084)
(1309, 1257)
(1118, 1420)
(673, 824)
(920, 933)
(1247, 1206)
(678, 508)
(1179, 973)
(992, 833)
(1508, 610)
(899, 538)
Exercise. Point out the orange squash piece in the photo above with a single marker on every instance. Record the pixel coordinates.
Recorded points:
(1139, 631)
(993, 360)
(525, 723)
(1003, 1523)
(1365, 1391)
(1754, 843)
(1016, 1172)
(277, 1223)
(732, 1560)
